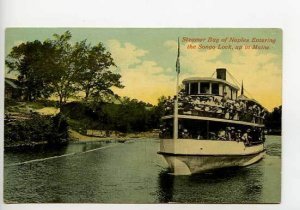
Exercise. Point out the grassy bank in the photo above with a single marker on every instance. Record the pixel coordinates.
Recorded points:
(28, 124)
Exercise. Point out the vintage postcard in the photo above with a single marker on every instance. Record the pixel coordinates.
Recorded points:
(143, 115)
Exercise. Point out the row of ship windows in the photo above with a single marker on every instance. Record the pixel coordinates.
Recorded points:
(196, 88)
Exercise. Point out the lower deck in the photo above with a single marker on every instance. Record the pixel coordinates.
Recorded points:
(202, 128)
(189, 156)
(207, 147)
(187, 164)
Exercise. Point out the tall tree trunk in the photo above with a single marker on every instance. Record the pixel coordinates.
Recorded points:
(60, 101)
(87, 94)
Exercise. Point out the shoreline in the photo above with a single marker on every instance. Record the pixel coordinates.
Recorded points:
(88, 139)
(76, 137)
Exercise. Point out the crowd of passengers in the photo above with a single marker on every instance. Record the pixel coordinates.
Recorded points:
(217, 106)
(248, 136)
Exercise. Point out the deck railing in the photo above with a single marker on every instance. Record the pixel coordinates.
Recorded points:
(213, 106)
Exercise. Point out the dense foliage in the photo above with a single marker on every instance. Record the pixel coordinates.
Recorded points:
(273, 120)
(56, 66)
(53, 130)
(130, 115)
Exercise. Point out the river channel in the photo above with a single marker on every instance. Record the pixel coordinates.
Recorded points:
(132, 172)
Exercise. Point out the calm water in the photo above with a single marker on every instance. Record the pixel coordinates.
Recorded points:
(133, 173)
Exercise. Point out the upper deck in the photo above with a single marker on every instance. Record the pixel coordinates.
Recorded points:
(216, 98)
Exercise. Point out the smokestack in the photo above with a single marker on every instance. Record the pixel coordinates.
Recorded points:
(221, 73)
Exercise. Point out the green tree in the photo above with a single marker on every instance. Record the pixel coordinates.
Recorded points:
(273, 119)
(45, 68)
(63, 72)
(158, 112)
(93, 65)
(57, 67)
(31, 60)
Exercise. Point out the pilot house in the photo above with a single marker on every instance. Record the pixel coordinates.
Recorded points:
(211, 86)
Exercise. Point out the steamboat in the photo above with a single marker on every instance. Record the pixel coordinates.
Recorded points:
(209, 125)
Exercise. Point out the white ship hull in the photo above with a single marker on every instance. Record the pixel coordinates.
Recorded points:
(187, 156)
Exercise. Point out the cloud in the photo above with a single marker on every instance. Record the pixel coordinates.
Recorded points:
(125, 55)
(143, 79)
(194, 62)
(146, 80)
(260, 72)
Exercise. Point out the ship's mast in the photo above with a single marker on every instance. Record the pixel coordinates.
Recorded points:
(175, 129)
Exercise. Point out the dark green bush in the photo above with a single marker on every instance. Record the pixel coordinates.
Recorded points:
(129, 116)
(53, 130)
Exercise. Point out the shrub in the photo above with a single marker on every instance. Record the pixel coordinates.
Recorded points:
(53, 130)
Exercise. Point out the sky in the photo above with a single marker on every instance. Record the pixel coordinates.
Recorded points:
(146, 57)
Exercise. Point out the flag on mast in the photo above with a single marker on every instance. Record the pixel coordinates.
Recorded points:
(242, 91)
(177, 61)
(175, 128)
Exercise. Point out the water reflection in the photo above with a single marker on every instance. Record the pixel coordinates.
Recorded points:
(165, 183)
(232, 185)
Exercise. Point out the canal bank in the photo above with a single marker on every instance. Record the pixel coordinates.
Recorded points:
(78, 137)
